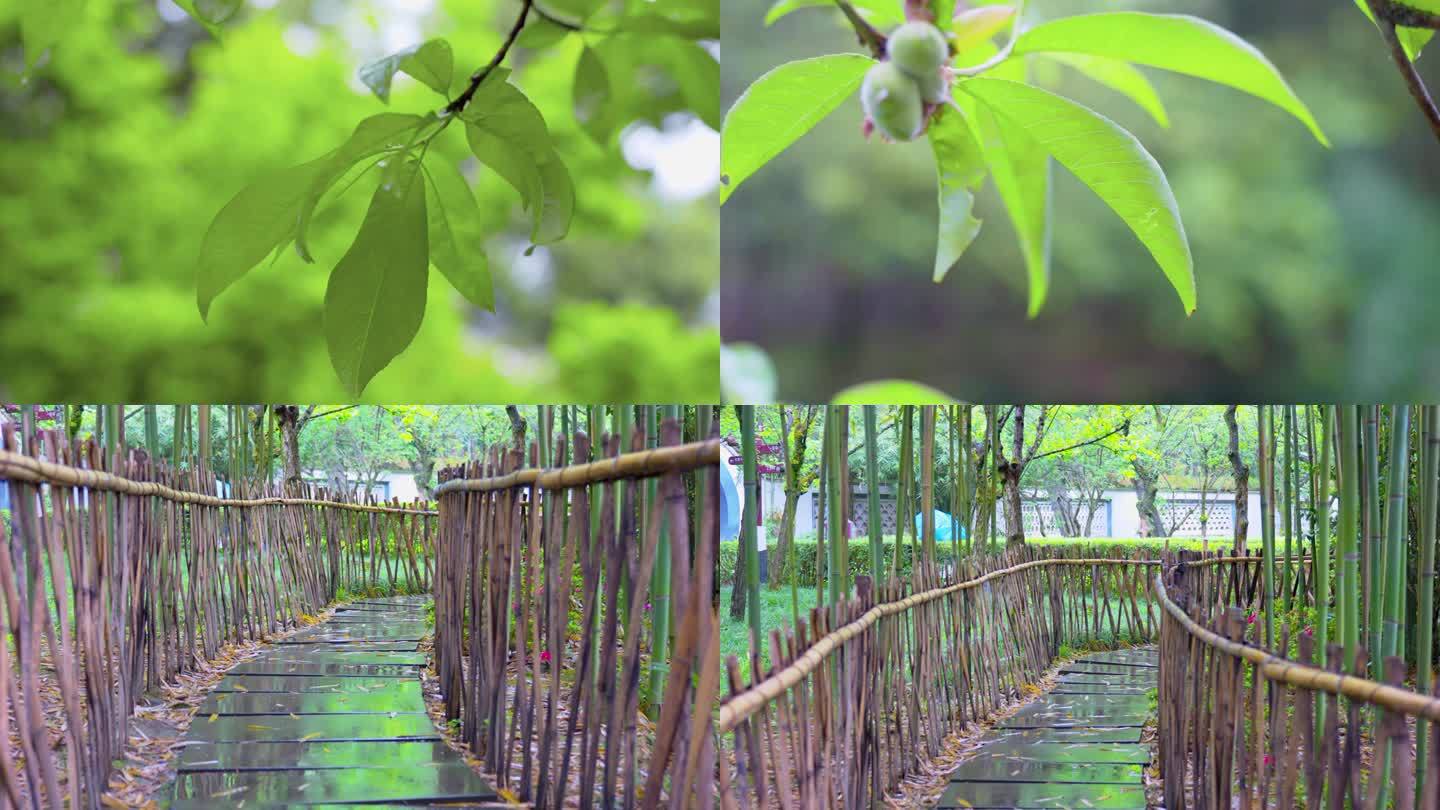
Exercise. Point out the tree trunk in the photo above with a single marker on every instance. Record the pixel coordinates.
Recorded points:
(289, 418)
(1014, 510)
(780, 555)
(1242, 481)
(1146, 490)
(517, 428)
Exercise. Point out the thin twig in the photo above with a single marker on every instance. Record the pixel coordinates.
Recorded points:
(551, 18)
(1418, 91)
(869, 35)
(1005, 52)
(464, 98)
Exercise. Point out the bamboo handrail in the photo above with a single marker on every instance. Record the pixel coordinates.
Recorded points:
(644, 463)
(19, 467)
(1275, 668)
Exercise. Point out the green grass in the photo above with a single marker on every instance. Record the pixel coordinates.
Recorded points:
(775, 612)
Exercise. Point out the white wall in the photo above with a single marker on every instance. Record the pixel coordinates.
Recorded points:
(1124, 517)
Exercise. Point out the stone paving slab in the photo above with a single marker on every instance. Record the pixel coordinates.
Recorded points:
(334, 718)
(1067, 749)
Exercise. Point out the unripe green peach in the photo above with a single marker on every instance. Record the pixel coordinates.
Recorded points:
(933, 87)
(917, 48)
(892, 101)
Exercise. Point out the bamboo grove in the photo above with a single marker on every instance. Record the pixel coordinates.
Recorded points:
(553, 698)
(1299, 672)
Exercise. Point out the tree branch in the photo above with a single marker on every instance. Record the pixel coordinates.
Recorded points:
(1118, 429)
(479, 76)
(868, 34)
(1385, 18)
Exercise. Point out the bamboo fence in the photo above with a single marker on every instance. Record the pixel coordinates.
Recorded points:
(119, 574)
(553, 705)
(1241, 726)
(864, 693)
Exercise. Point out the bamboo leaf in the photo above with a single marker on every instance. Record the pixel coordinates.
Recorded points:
(1109, 160)
(780, 107)
(1174, 42)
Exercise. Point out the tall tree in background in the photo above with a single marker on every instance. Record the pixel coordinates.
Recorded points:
(800, 474)
(1241, 471)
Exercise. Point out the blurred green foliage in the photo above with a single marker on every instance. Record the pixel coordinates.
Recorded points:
(1311, 264)
(120, 147)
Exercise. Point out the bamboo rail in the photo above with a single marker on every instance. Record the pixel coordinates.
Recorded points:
(519, 551)
(1241, 725)
(118, 574)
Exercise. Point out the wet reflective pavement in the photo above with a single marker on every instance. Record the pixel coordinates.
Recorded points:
(1077, 746)
(331, 717)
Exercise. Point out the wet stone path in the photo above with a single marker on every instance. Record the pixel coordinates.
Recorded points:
(1077, 746)
(332, 716)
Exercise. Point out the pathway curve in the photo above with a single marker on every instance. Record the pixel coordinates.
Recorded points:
(1078, 746)
(332, 715)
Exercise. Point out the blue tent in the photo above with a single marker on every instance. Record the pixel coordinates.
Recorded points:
(730, 505)
(943, 529)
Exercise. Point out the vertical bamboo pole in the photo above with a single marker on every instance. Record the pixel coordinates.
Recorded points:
(1287, 496)
(992, 425)
(839, 589)
(1396, 522)
(748, 541)
(1425, 580)
(927, 489)
(1321, 557)
(872, 498)
(1264, 417)
(1374, 549)
(152, 432)
(1347, 480)
(967, 469)
(660, 576)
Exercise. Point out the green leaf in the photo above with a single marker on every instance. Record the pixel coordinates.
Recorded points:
(1122, 77)
(1179, 43)
(891, 392)
(1107, 159)
(42, 24)
(1021, 169)
(371, 137)
(216, 12)
(781, 106)
(454, 233)
(698, 74)
(1413, 40)
(960, 165)
(746, 374)
(881, 13)
(591, 96)
(508, 134)
(978, 26)
(375, 300)
(539, 34)
(432, 62)
(249, 227)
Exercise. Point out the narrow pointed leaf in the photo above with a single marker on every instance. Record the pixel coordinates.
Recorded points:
(960, 166)
(453, 229)
(1179, 43)
(370, 137)
(780, 107)
(216, 12)
(375, 300)
(1412, 39)
(1021, 169)
(519, 148)
(1109, 160)
(882, 13)
(252, 225)
(1122, 77)
(431, 62)
(591, 96)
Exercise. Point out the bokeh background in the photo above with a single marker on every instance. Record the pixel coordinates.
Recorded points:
(118, 152)
(1316, 268)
